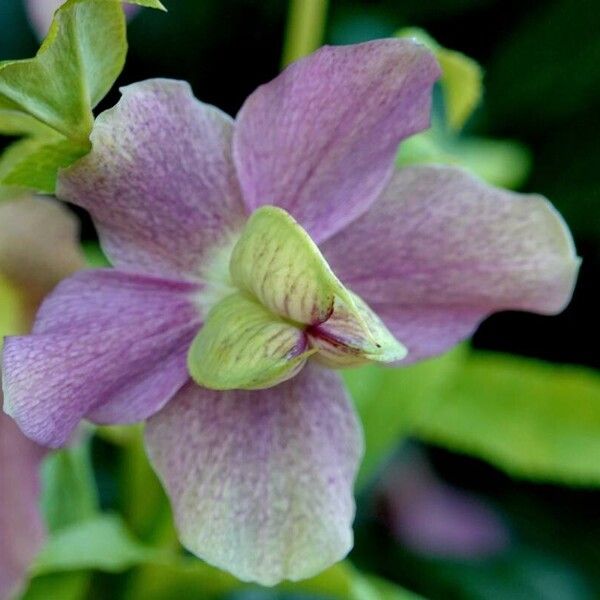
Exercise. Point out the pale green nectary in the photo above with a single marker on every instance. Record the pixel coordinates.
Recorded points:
(244, 346)
(277, 261)
(288, 306)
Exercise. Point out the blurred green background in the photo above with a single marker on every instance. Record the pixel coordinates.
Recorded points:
(542, 87)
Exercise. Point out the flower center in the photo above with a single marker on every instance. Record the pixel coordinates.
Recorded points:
(272, 302)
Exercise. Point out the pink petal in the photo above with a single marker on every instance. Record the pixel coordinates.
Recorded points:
(106, 345)
(159, 183)
(21, 527)
(320, 139)
(441, 250)
(428, 330)
(261, 481)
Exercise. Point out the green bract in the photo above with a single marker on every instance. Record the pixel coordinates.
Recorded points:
(462, 78)
(49, 99)
(503, 163)
(286, 305)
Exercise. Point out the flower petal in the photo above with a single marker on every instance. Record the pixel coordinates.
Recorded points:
(441, 250)
(429, 330)
(21, 527)
(159, 183)
(106, 345)
(261, 481)
(243, 346)
(320, 139)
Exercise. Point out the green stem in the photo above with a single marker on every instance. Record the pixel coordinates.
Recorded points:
(305, 28)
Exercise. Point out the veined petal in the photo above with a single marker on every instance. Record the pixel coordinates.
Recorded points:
(344, 340)
(320, 139)
(441, 250)
(428, 330)
(21, 528)
(261, 481)
(244, 346)
(277, 262)
(107, 345)
(159, 182)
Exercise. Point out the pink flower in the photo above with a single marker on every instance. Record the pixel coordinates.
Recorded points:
(261, 480)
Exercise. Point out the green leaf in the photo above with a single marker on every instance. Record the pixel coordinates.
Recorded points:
(461, 80)
(194, 580)
(372, 588)
(461, 84)
(390, 400)
(503, 163)
(15, 122)
(69, 493)
(74, 68)
(35, 162)
(147, 3)
(49, 98)
(58, 586)
(243, 345)
(101, 543)
(531, 419)
(94, 256)
(143, 501)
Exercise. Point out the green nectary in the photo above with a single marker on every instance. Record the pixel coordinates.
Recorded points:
(286, 305)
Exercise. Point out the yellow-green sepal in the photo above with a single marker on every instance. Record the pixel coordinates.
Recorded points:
(244, 346)
(277, 262)
(461, 80)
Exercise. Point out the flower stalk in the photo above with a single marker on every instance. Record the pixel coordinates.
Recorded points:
(305, 29)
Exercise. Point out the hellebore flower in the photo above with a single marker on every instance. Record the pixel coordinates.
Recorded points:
(223, 322)
(38, 247)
